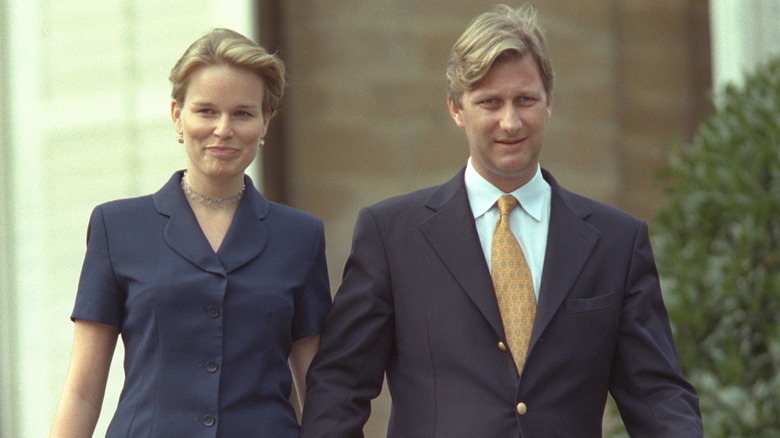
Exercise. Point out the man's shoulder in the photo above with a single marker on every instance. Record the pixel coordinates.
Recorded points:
(586, 206)
(611, 220)
(403, 201)
(428, 197)
(412, 208)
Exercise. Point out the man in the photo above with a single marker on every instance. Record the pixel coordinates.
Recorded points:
(474, 356)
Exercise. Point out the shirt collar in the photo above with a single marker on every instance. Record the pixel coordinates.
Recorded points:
(483, 195)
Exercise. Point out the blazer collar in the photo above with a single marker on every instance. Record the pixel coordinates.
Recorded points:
(570, 242)
(450, 230)
(244, 240)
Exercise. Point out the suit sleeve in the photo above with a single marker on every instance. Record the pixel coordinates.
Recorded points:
(100, 298)
(348, 371)
(312, 302)
(646, 382)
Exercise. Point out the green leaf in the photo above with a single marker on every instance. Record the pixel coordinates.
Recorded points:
(718, 252)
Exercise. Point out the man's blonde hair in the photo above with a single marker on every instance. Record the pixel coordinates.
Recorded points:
(502, 34)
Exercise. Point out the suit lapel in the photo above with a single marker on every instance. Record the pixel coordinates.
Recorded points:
(182, 232)
(247, 235)
(244, 241)
(452, 234)
(570, 241)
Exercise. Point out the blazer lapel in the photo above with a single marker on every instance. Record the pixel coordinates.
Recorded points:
(452, 233)
(570, 241)
(247, 235)
(182, 232)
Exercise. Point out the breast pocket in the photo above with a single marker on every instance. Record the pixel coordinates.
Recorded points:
(589, 305)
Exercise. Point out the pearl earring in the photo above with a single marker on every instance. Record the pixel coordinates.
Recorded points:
(262, 142)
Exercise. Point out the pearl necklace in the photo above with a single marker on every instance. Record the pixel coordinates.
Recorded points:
(208, 201)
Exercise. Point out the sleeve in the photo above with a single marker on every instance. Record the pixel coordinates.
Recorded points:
(99, 298)
(348, 371)
(313, 301)
(653, 397)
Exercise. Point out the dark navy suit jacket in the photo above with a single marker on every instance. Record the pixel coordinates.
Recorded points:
(417, 303)
(207, 335)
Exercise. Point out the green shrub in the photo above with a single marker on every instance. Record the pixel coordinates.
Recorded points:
(717, 246)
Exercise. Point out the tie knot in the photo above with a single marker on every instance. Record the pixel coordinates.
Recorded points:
(506, 203)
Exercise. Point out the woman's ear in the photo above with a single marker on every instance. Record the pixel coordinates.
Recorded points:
(176, 115)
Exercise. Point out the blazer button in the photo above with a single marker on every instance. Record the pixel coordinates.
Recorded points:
(211, 366)
(522, 408)
(209, 420)
(501, 346)
(213, 311)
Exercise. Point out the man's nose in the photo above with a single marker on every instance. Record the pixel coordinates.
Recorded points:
(511, 119)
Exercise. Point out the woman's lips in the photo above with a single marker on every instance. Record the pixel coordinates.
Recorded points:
(222, 150)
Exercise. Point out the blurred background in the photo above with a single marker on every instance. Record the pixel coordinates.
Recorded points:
(84, 118)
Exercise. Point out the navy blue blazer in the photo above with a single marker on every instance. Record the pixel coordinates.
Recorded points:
(417, 303)
(206, 335)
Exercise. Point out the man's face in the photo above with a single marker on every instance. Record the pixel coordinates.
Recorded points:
(504, 118)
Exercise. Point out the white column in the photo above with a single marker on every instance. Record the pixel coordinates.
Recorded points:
(89, 121)
(745, 33)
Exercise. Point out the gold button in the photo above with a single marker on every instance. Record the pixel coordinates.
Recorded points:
(501, 346)
(522, 408)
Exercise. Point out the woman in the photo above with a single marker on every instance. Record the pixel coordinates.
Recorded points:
(214, 289)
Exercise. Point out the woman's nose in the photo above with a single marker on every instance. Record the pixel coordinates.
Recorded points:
(224, 128)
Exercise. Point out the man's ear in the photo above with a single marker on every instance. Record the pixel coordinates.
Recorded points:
(455, 112)
(549, 107)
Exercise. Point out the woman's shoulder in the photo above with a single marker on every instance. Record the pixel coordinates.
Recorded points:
(124, 212)
(126, 205)
(286, 214)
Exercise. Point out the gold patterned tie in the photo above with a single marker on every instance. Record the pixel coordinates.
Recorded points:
(513, 284)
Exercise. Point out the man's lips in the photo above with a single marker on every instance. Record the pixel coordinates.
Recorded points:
(511, 141)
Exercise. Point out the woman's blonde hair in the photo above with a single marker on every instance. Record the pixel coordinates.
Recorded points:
(228, 47)
(504, 33)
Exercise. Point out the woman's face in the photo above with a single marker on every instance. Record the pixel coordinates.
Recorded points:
(221, 120)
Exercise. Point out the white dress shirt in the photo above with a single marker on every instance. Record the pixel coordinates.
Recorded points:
(529, 221)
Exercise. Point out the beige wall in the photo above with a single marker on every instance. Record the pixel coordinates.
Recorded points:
(365, 115)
